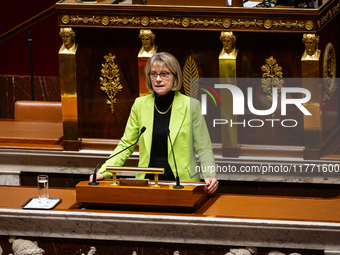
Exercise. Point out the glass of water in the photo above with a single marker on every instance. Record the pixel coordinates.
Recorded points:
(43, 189)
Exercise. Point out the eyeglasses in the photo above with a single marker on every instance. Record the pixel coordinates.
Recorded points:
(163, 75)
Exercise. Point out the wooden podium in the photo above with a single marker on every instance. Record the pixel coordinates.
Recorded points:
(191, 197)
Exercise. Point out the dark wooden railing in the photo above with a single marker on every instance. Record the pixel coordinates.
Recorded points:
(27, 25)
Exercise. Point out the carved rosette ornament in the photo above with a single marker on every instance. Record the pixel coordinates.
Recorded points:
(110, 80)
(226, 23)
(105, 20)
(185, 22)
(272, 72)
(268, 24)
(145, 21)
(65, 19)
(190, 78)
(329, 72)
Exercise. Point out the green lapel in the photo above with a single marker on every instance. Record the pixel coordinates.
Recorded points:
(147, 121)
(177, 118)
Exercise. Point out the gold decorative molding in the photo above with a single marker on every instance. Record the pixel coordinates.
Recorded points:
(309, 25)
(272, 72)
(190, 77)
(329, 14)
(268, 24)
(145, 21)
(125, 21)
(105, 20)
(329, 72)
(288, 24)
(65, 19)
(247, 23)
(185, 22)
(165, 22)
(188, 22)
(206, 23)
(85, 20)
(226, 23)
(110, 80)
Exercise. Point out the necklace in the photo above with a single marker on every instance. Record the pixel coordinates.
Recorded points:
(165, 111)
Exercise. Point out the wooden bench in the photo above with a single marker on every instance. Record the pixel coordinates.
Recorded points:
(36, 125)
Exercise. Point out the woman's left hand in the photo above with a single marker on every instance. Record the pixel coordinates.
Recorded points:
(212, 185)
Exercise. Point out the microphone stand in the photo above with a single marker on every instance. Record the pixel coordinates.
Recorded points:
(178, 184)
(94, 179)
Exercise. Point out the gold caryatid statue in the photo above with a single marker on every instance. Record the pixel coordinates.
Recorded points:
(68, 87)
(148, 43)
(227, 72)
(229, 45)
(311, 42)
(310, 68)
(69, 39)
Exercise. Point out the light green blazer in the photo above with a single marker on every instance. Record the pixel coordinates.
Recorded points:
(187, 127)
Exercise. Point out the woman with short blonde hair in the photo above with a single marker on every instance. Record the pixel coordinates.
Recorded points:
(164, 58)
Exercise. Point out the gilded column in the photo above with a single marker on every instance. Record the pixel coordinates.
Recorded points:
(68, 87)
(310, 62)
(147, 51)
(227, 70)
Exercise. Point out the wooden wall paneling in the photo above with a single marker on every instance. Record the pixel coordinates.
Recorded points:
(254, 49)
(95, 118)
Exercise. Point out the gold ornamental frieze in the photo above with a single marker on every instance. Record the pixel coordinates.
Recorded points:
(329, 72)
(288, 24)
(110, 80)
(85, 20)
(165, 22)
(272, 73)
(247, 23)
(188, 22)
(125, 21)
(190, 77)
(206, 23)
(329, 14)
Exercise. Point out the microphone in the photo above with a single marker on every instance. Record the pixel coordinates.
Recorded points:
(178, 185)
(94, 180)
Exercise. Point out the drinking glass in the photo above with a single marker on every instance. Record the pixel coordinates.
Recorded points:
(43, 189)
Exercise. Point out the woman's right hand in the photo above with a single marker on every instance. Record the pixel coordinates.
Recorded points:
(99, 177)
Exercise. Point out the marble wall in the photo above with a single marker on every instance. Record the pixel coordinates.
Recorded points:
(14, 88)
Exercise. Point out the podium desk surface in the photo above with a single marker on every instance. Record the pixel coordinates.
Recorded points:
(225, 219)
(219, 205)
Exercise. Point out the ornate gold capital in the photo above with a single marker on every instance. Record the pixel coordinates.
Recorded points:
(229, 50)
(68, 35)
(149, 48)
(311, 42)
